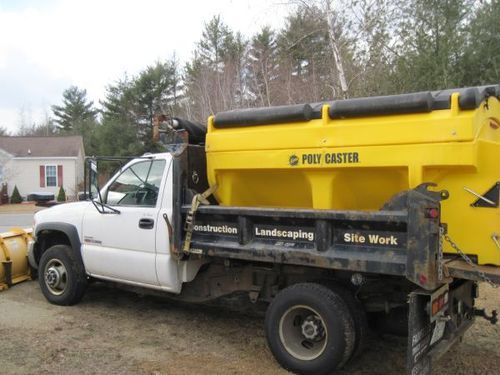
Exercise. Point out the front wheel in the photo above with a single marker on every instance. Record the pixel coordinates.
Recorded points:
(61, 276)
(309, 329)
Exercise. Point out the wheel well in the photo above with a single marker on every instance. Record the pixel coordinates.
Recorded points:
(48, 238)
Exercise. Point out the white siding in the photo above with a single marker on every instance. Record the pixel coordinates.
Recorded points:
(25, 174)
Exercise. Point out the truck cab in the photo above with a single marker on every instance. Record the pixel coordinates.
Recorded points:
(126, 239)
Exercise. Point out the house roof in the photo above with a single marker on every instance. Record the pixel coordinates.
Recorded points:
(42, 146)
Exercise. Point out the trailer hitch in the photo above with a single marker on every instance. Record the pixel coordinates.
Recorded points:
(482, 312)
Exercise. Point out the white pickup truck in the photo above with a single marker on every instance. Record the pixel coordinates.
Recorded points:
(145, 229)
(130, 247)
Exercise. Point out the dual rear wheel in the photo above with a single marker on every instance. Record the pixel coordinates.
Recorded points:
(314, 329)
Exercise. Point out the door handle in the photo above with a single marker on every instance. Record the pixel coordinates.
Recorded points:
(146, 223)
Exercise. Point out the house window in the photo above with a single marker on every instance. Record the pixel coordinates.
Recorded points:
(50, 175)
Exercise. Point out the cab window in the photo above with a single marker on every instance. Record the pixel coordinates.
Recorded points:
(138, 185)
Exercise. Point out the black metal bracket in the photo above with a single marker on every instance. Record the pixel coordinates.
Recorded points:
(435, 195)
(492, 195)
(400, 200)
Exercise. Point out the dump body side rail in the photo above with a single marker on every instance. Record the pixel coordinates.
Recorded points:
(402, 239)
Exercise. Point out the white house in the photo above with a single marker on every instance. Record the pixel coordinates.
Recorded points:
(42, 164)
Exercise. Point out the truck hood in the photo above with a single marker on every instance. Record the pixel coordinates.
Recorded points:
(70, 213)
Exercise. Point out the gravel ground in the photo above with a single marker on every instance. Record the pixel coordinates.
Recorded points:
(118, 332)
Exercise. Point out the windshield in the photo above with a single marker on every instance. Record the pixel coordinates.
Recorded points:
(137, 185)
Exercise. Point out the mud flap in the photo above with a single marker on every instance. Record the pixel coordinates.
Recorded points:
(432, 333)
(419, 335)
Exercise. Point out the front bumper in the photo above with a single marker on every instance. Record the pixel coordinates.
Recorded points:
(31, 254)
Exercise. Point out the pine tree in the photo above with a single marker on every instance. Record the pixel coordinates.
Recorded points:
(61, 195)
(305, 57)
(76, 109)
(199, 84)
(434, 34)
(76, 116)
(215, 42)
(215, 78)
(16, 197)
(368, 44)
(131, 105)
(481, 56)
(4, 196)
(118, 132)
(263, 67)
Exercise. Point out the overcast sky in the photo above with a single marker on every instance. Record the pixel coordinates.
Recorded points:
(48, 45)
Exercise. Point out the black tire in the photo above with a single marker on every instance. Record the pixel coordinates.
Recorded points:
(62, 276)
(360, 319)
(323, 353)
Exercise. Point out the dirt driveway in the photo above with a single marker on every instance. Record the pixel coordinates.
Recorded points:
(117, 332)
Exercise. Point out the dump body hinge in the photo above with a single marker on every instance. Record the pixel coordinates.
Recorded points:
(400, 200)
(434, 195)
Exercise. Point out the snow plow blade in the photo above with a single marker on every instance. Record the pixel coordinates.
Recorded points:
(14, 266)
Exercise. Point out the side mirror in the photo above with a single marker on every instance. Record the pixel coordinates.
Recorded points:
(93, 193)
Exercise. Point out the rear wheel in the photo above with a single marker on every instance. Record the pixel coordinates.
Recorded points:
(309, 329)
(359, 316)
(61, 276)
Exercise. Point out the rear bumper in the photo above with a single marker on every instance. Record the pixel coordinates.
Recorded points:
(429, 339)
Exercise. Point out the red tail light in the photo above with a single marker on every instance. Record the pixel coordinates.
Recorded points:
(432, 213)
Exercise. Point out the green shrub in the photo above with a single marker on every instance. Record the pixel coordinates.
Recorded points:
(16, 197)
(61, 196)
(4, 196)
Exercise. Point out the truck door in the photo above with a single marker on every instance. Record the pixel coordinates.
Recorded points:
(122, 246)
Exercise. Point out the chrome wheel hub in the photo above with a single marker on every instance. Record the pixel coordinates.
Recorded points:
(52, 277)
(303, 332)
(312, 328)
(56, 277)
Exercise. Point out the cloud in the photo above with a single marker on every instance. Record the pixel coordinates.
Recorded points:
(25, 85)
(30, 81)
(47, 46)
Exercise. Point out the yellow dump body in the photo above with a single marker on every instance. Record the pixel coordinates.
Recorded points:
(356, 161)
(14, 266)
